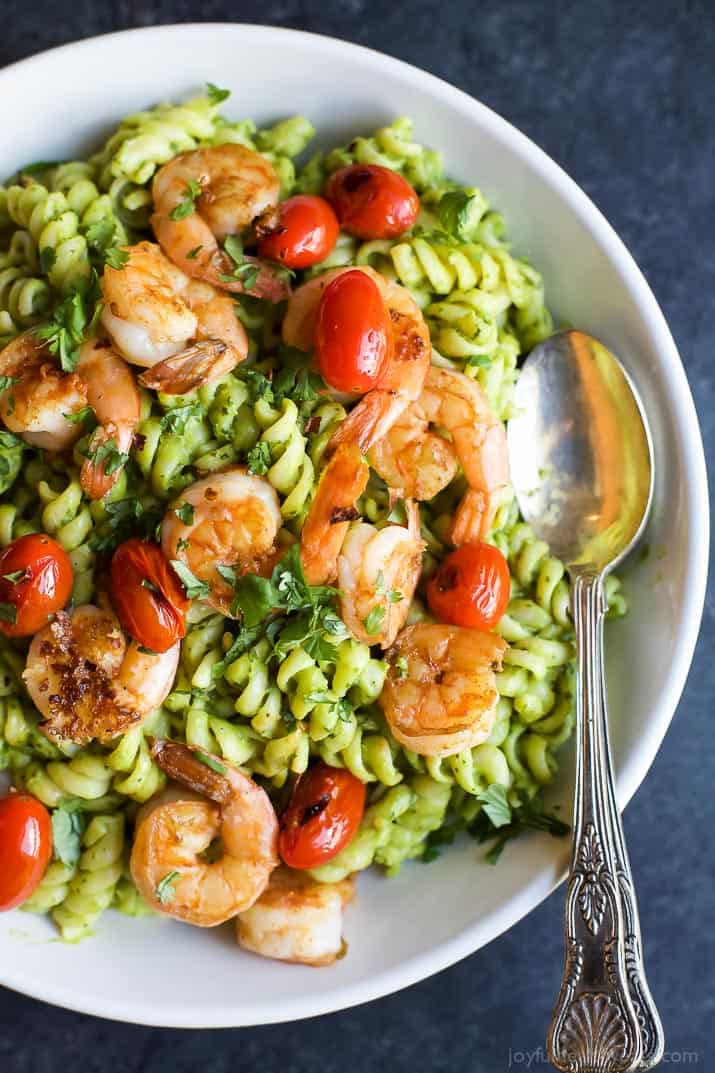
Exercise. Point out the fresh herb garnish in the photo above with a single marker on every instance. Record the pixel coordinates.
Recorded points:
(185, 513)
(194, 253)
(81, 417)
(116, 258)
(259, 386)
(165, 888)
(459, 213)
(209, 761)
(188, 203)
(259, 458)
(175, 420)
(65, 333)
(195, 589)
(109, 455)
(495, 804)
(8, 613)
(215, 94)
(7, 381)
(17, 575)
(373, 622)
(244, 270)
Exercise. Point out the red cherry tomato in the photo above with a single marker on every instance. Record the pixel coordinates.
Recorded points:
(323, 815)
(353, 336)
(471, 587)
(35, 582)
(147, 595)
(25, 847)
(371, 201)
(304, 232)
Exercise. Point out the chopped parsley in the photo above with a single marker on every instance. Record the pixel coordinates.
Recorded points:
(195, 589)
(176, 419)
(7, 381)
(259, 458)
(65, 333)
(109, 455)
(81, 417)
(244, 270)
(16, 576)
(209, 761)
(188, 203)
(259, 386)
(185, 513)
(215, 94)
(394, 596)
(373, 622)
(165, 888)
(116, 258)
(193, 253)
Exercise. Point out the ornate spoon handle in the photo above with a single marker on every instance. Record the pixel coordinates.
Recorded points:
(594, 1026)
(652, 1036)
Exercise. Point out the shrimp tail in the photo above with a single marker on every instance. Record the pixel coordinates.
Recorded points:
(196, 365)
(191, 768)
(371, 419)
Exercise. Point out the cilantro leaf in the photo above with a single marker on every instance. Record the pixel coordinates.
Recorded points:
(8, 613)
(81, 417)
(373, 622)
(186, 206)
(495, 804)
(215, 94)
(194, 252)
(185, 513)
(234, 248)
(109, 455)
(100, 234)
(228, 573)
(195, 589)
(67, 825)
(16, 575)
(259, 386)
(256, 597)
(176, 419)
(7, 381)
(243, 640)
(116, 258)
(165, 888)
(259, 458)
(66, 331)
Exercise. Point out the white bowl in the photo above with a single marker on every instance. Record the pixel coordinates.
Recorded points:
(63, 102)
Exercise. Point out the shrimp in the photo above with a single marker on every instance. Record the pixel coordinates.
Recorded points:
(42, 400)
(88, 682)
(440, 695)
(113, 395)
(234, 522)
(236, 186)
(183, 331)
(415, 461)
(171, 835)
(378, 572)
(400, 384)
(297, 919)
(343, 481)
(40, 396)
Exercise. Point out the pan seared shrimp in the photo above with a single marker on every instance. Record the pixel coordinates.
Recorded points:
(235, 518)
(89, 681)
(415, 461)
(378, 572)
(183, 331)
(113, 395)
(440, 695)
(225, 188)
(40, 402)
(343, 481)
(171, 836)
(402, 381)
(297, 919)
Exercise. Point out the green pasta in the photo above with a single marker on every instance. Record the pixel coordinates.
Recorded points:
(280, 691)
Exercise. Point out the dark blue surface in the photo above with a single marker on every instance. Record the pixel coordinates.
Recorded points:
(623, 96)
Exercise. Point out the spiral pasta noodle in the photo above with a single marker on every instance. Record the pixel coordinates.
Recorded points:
(63, 250)
(91, 889)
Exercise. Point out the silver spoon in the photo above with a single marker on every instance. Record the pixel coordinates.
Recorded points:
(582, 467)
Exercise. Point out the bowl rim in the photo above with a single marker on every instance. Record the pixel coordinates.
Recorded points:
(687, 430)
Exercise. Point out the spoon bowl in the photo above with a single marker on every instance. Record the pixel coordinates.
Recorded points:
(580, 452)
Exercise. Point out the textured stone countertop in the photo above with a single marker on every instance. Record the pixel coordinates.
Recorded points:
(623, 96)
